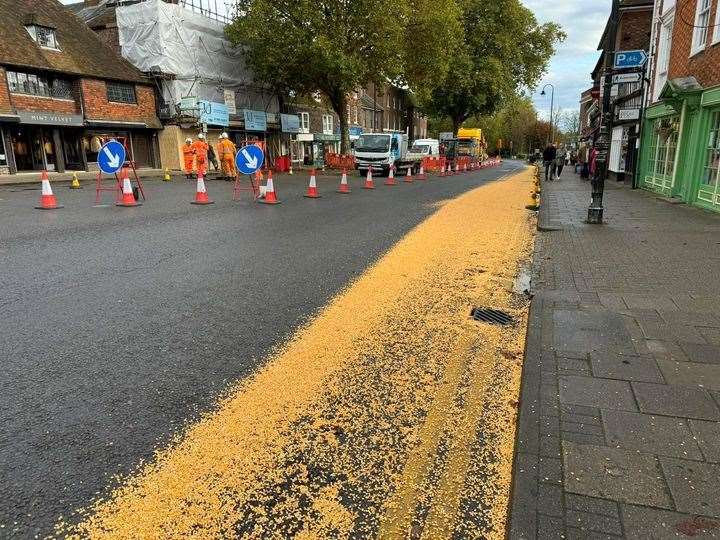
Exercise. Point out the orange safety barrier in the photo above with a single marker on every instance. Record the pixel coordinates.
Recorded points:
(339, 161)
(434, 163)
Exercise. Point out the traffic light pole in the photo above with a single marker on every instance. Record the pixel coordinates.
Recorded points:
(596, 209)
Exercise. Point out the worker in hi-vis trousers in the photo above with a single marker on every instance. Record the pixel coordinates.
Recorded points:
(188, 157)
(201, 154)
(226, 152)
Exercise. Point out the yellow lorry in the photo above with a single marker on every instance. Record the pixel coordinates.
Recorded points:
(469, 142)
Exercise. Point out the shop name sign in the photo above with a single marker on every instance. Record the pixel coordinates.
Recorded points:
(213, 113)
(629, 114)
(255, 120)
(50, 119)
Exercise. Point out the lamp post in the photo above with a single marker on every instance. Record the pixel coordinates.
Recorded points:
(552, 106)
(596, 209)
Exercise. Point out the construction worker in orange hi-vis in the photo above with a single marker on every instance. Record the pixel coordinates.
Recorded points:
(188, 157)
(201, 154)
(226, 152)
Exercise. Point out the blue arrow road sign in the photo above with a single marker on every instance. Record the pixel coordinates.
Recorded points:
(249, 159)
(111, 157)
(630, 59)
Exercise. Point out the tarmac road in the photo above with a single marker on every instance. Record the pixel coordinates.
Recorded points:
(119, 325)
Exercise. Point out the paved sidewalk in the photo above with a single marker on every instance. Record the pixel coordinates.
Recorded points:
(619, 429)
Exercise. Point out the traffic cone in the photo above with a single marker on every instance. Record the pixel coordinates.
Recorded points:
(312, 192)
(421, 174)
(391, 177)
(270, 197)
(128, 199)
(75, 184)
(369, 184)
(408, 177)
(465, 169)
(442, 171)
(201, 196)
(344, 186)
(290, 172)
(167, 178)
(47, 199)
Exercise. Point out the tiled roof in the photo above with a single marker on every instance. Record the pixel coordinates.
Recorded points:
(81, 50)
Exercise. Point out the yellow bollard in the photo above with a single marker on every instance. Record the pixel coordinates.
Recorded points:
(167, 175)
(75, 184)
(534, 203)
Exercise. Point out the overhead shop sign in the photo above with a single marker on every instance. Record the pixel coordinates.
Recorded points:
(290, 123)
(255, 120)
(213, 113)
(50, 119)
(629, 114)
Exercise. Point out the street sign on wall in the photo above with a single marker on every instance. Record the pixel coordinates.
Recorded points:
(255, 120)
(626, 78)
(629, 114)
(213, 113)
(630, 59)
(290, 123)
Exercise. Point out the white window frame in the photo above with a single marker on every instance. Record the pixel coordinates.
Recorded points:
(304, 122)
(702, 25)
(664, 50)
(327, 124)
(32, 29)
(716, 31)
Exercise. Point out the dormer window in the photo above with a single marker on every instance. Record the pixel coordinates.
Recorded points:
(43, 36)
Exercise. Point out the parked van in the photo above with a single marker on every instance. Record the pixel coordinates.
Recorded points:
(381, 151)
(420, 149)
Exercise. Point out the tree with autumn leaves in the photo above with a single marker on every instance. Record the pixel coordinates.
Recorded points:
(459, 58)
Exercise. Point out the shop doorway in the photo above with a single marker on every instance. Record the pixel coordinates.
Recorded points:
(34, 148)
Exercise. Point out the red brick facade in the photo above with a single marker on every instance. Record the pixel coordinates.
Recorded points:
(635, 29)
(5, 105)
(705, 65)
(97, 106)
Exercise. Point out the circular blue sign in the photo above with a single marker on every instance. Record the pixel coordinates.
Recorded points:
(249, 159)
(111, 157)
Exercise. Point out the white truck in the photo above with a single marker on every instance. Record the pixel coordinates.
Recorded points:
(380, 151)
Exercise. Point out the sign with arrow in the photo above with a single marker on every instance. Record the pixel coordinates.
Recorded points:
(630, 59)
(111, 157)
(249, 159)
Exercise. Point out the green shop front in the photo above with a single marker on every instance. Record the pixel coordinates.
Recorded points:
(680, 149)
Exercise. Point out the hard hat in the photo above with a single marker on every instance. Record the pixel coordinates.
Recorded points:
(188, 140)
(201, 136)
(224, 136)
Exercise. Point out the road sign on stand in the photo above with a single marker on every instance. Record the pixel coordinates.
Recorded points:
(249, 159)
(630, 59)
(111, 157)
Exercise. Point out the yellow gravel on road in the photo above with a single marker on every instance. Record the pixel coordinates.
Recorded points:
(391, 414)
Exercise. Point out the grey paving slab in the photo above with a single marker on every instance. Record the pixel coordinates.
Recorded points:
(593, 392)
(682, 401)
(649, 301)
(642, 523)
(704, 353)
(691, 374)
(694, 486)
(661, 435)
(584, 331)
(625, 367)
(586, 521)
(611, 473)
(581, 503)
(707, 435)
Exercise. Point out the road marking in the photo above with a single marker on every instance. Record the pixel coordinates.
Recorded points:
(334, 435)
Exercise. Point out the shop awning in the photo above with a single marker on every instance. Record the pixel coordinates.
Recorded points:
(9, 117)
(119, 123)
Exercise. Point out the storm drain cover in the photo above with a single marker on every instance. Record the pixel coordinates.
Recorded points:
(491, 316)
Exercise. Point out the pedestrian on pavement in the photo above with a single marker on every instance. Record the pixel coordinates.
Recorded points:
(560, 161)
(212, 158)
(201, 154)
(188, 157)
(584, 161)
(549, 156)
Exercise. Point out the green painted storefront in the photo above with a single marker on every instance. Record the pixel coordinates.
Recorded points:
(680, 146)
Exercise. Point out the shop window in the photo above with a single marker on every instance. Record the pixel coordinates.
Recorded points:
(120, 92)
(661, 155)
(43, 36)
(38, 85)
(702, 22)
(711, 172)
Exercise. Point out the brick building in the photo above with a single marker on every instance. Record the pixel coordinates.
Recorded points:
(680, 150)
(62, 89)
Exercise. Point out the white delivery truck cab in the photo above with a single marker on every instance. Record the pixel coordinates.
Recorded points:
(380, 151)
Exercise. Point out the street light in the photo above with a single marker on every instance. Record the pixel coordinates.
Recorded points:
(552, 106)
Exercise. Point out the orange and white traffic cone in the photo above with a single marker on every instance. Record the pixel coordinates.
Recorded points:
(201, 196)
(391, 177)
(344, 186)
(312, 192)
(47, 198)
(128, 198)
(442, 171)
(465, 167)
(369, 184)
(270, 197)
(408, 177)
(421, 174)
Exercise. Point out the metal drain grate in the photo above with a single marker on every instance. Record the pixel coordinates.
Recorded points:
(491, 316)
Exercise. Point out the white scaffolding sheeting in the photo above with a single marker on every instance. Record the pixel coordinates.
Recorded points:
(155, 35)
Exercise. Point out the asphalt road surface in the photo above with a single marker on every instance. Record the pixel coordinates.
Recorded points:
(120, 325)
